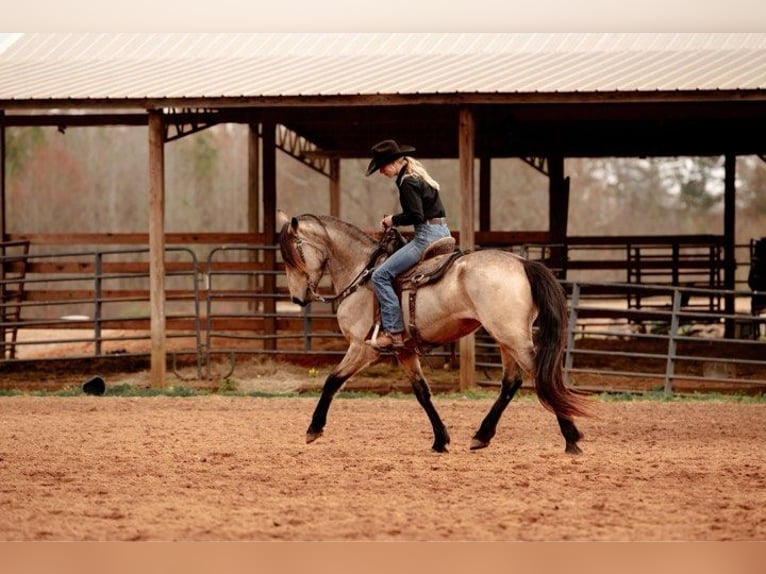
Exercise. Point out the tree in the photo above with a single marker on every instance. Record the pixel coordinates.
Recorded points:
(20, 146)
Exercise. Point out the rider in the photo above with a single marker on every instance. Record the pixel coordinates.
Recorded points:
(422, 208)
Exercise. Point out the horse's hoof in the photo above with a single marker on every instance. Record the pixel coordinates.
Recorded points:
(476, 444)
(440, 448)
(311, 436)
(573, 449)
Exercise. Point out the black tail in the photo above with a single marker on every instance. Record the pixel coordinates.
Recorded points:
(551, 302)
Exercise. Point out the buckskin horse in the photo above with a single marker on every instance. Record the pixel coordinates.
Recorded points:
(493, 288)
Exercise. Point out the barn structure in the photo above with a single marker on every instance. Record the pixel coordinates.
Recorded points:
(323, 98)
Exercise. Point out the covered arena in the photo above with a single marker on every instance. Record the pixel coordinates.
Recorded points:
(196, 444)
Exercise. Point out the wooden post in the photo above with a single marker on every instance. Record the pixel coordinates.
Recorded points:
(269, 228)
(253, 201)
(335, 187)
(558, 214)
(3, 229)
(157, 246)
(729, 239)
(485, 193)
(466, 139)
(253, 169)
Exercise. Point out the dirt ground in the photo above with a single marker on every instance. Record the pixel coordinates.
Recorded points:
(236, 468)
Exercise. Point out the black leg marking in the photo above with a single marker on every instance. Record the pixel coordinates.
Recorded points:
(319, 419)
(489, 425)
(571, 434)
(423, 394)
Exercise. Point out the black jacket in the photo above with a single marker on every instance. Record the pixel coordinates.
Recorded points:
(418, 199)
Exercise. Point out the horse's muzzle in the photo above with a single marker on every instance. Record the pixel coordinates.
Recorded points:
(300, 302)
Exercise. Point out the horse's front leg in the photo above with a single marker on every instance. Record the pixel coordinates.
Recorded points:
(411, 365)
(357, 357)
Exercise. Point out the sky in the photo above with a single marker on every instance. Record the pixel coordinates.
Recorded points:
(392, 16)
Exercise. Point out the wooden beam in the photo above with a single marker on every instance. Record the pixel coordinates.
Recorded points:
(729, 220)
(141, 239)
(76, 120)
(729, 238)
(253, 179)
(485, 193)
(558, 211)
(335, 187)
(269, 152)
(253, 197)
(466, 143)
(157, 247)
(3, 228)
(689, 240)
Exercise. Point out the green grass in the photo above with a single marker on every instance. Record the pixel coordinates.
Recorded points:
(230, 389)
(660, 396)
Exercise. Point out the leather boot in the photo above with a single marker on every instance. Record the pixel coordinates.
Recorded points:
(387, 341)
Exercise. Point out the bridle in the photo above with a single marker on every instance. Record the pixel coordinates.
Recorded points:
(313, 285)
(360, 278)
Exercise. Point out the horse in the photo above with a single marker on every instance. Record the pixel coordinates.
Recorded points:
(491, 288)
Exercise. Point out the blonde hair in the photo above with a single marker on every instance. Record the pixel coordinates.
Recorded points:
(416, 169)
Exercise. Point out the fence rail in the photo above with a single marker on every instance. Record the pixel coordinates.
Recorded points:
(668, 343)
(631, 336)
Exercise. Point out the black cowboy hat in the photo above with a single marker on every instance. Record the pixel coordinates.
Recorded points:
(385, 152)
(95, 386)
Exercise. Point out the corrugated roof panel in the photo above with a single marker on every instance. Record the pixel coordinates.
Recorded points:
(75, 46)
(609, 71)
(541, 73)
(727, 69)
(119, 66)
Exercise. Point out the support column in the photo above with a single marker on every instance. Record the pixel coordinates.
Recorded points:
(253, 179)
(335, 187)
(729, 239)
(485, 193)
(253, 203)
(269, 229)
(157, 247)
(3, 230)
(466, 143)
(3, 206)
(558, 214)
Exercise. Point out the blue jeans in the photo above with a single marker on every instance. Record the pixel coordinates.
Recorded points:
(383, 277)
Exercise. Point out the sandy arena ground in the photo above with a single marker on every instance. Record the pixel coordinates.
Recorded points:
(237, 469)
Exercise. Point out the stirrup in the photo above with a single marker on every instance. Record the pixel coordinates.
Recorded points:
(392, 346)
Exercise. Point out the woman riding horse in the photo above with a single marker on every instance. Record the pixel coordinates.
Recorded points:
(421, 207)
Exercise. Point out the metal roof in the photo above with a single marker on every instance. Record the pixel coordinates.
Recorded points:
(85, 66)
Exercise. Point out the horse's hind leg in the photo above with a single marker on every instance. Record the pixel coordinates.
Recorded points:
(507, 391)
(357, 357)
(571, 435)
(411, 365)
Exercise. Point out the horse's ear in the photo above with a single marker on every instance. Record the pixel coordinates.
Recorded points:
(282, 218)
